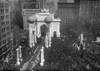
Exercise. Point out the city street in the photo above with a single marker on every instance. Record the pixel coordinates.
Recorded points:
(49, 35)
(34, 60)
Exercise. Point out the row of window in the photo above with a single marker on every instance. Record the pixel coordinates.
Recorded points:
(4, 35)
(4, 29)
(7, 16)
(7, 40)
(4, 23)
(4, 17)
(2, 5)
(2, 11)
(4, 42)
(5, 46)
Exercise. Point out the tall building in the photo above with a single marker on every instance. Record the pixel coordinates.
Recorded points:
(5, 29)
(89, 9)
(68, 11)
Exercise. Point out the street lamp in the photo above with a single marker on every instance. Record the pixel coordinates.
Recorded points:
(48, 20)
(20, 51)
(42, 56)
(18, 62)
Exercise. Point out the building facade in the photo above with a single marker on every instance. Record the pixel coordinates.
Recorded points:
(68, 11)
(5, 28)
(28, 10)
(37, 29)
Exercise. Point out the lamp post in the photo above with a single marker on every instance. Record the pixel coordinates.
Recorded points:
(48, 20)
(81, 38)
(42, 56)
(18, 62)
(20, 51)
(32, 28)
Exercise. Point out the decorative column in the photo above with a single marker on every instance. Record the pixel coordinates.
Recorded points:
(18, 60)
(42, 56)
(35, 33)
(46, 41)
(48, 20)
(32, 27)
(49, 36)
(58, 32)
